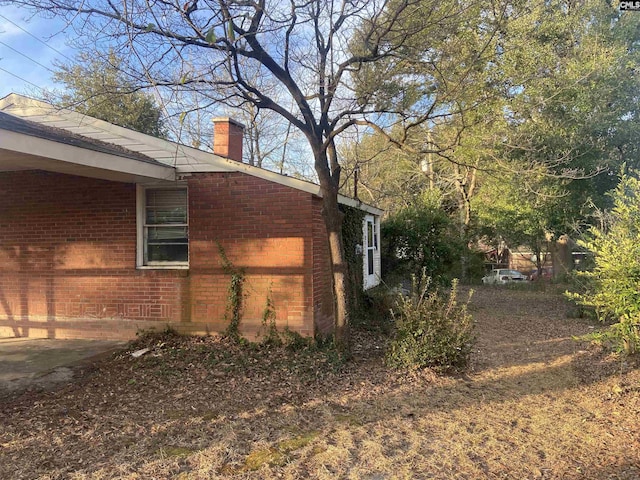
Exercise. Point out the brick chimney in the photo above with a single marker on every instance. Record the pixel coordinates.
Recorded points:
(227, 138)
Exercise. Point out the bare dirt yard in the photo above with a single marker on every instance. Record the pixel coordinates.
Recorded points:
(535, 404)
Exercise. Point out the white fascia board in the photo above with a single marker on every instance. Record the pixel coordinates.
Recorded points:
(70, 154)
(365, 207)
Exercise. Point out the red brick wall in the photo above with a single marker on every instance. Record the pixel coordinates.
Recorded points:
(265, 230)
(67, 251)
(227, 139)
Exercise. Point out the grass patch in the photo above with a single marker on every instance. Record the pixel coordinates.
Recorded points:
(266, 456)
(296, 443)
(278, 455)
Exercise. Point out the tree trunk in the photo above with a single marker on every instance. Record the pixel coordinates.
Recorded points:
(464, 209)
(561, 256)
(537, 252)
(333, 222)
(465, 183)
(329, 185)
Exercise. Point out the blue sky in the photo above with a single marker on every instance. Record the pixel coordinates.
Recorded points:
(21, 55)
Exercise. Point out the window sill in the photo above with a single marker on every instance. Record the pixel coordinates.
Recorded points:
(162, 267)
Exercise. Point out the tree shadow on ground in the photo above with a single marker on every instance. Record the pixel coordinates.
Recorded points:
(135, 410)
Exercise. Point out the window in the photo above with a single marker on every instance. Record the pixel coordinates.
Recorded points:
(165, 229)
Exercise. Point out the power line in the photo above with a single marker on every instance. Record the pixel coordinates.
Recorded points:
(33, 36)
(26, 56)
(22, 79)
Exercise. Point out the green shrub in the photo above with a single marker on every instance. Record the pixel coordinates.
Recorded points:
(432, 329)
(612, 288)
(374, 313)
(421, 236)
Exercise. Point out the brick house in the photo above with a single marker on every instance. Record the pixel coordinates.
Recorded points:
(105, 231)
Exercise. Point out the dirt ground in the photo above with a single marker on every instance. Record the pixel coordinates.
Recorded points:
(536, 404)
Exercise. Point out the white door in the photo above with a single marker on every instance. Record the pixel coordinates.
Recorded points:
(370, 252)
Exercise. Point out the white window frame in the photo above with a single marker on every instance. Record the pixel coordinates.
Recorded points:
(141, 202)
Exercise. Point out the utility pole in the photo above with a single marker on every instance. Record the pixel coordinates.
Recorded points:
(426, 165)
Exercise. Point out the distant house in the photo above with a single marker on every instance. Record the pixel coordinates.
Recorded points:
(105, 231)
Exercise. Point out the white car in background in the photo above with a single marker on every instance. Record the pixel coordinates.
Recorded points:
(502, 276)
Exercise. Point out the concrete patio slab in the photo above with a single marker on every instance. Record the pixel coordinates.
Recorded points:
(26, 363)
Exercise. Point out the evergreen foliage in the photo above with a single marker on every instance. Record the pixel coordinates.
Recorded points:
(352, 232)
(612, 288)
(97, 86)
(552, 112)
(420, 237)
(432, 329)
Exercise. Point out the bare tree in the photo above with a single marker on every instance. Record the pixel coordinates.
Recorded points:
(267, 140)
(279, 54)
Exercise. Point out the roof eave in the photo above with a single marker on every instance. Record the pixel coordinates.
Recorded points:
(29, 152)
